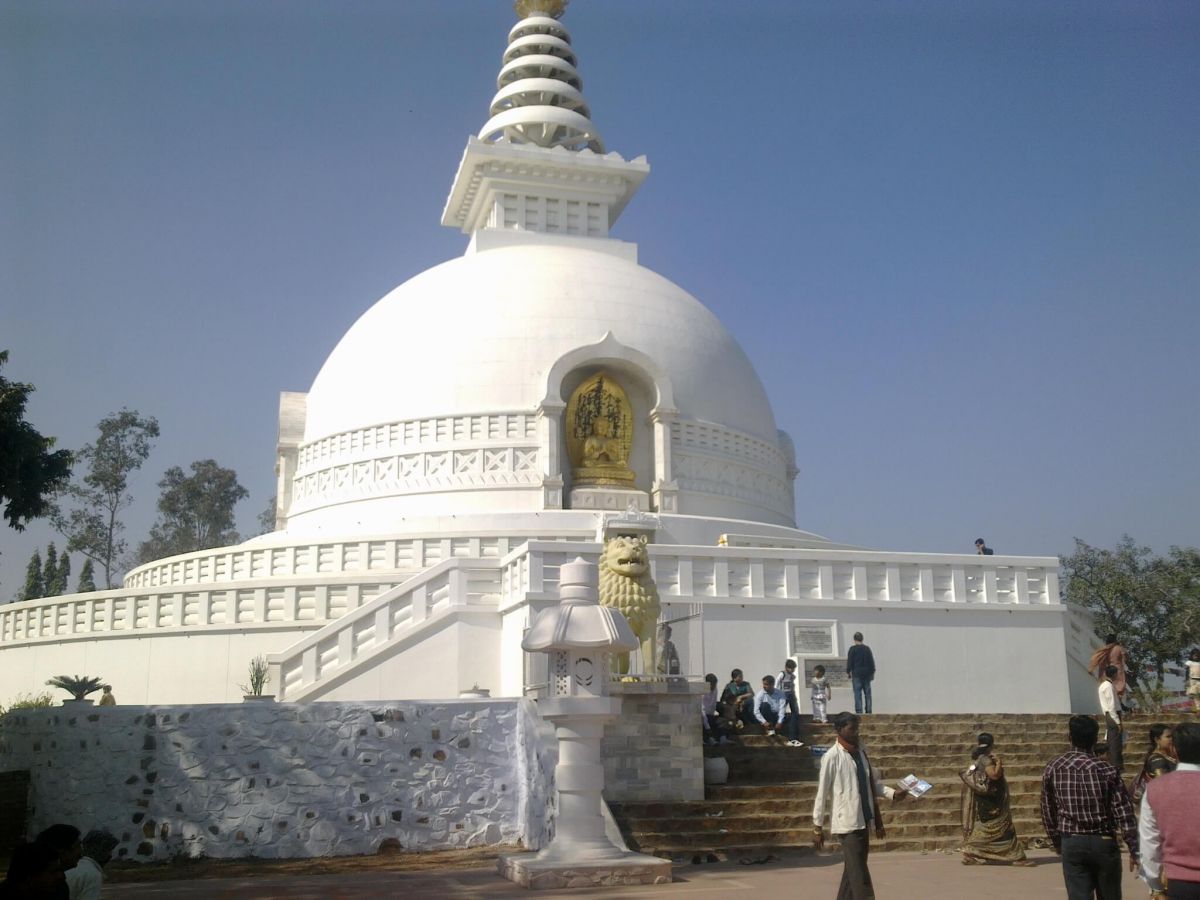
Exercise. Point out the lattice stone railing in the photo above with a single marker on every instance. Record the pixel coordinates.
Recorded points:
(772, 575)
(315, 558)
(302, 603)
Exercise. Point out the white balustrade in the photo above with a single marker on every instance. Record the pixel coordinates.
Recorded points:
(773, 574)
(300, 603)
(449, 586)
(406, 556)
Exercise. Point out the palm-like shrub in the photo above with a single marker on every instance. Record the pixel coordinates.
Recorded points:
(260, 675)
(78, 686)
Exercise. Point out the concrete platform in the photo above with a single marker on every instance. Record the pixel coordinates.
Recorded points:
(897, 876)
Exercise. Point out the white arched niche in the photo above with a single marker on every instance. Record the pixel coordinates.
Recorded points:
(652, 398)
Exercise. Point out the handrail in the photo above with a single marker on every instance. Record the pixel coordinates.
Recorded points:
(403, 611)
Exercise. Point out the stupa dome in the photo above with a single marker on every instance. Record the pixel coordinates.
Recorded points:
(482, 332)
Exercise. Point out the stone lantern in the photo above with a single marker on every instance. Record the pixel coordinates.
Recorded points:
(580, 635)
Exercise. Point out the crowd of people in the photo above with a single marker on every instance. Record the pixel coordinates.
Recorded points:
(59, 864)
(775, 706)
(1085, 809)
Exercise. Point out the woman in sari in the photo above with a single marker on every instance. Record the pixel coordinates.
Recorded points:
(988, 833)
(1159, 761)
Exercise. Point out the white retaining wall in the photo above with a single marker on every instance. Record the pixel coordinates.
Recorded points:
(283, 780)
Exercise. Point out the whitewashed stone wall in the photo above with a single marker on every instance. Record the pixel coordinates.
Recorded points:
(288, 780)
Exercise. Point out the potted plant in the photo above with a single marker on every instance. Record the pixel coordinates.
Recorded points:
(260, 677)
(78, 686)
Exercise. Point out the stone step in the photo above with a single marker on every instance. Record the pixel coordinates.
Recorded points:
(930, 805)
(657, 844)
(717, 829)
(768, 800)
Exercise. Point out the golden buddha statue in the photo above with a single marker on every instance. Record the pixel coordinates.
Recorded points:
(599, 424)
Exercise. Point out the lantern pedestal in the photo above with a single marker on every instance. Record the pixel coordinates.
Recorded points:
(538, 874)
(580, 635)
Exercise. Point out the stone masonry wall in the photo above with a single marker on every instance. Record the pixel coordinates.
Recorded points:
(654, 751)
(286, 780)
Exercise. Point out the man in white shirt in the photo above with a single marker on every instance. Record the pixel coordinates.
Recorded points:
(1112, 718)
(851, 786)
(771, 710)
(87, 878)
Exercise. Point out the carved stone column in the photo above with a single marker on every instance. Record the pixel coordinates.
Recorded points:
(550, 414)
(664, 491)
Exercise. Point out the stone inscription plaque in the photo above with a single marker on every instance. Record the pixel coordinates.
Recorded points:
(835, 673)
(812, 639)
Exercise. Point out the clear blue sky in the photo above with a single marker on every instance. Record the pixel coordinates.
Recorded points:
(961, 241)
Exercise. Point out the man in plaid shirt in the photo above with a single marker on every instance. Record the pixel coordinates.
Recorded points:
(1084, 803)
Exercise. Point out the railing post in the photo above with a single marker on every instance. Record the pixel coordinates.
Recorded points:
(535, 571)
(958, 577)
(825, 581)
(308, 665)
(1021, 585)
(757, 579)
(720, 578)
(383, 625)
(858, 577)
(926, 577)
(1052, 597)
(893, 583)
(458, 586)
(989, 584)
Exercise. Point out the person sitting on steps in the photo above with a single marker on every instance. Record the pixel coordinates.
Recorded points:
(738, 700)
(771, 710)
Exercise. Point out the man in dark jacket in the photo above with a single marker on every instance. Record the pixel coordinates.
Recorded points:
(860, 666)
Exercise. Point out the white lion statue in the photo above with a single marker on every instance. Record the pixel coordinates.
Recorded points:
(626, 585)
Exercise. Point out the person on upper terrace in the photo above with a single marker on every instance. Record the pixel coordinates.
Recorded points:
(983, 549)
(860, 666)
(771, 710)
(1111, 654)
(738, 700)
(1114, 731)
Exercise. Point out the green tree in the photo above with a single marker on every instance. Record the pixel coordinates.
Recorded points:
(62, 577)
(1152, 603)
(266, 518)
(30, 472)
(50, 571)
(33, 587)
(94, 527)
(195, 512)
(87, 579)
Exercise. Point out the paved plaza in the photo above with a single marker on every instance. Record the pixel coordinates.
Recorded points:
(898, 876)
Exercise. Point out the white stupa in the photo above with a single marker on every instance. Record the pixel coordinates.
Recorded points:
(503, 412)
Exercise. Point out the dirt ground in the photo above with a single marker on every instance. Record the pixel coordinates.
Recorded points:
(182, 868)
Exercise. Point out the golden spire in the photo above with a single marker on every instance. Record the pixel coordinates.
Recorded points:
(551, 8)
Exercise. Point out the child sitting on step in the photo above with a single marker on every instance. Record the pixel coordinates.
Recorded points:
(821, 693)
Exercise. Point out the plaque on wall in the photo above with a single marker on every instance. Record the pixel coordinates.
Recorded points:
(811, 637)
(835, 673)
